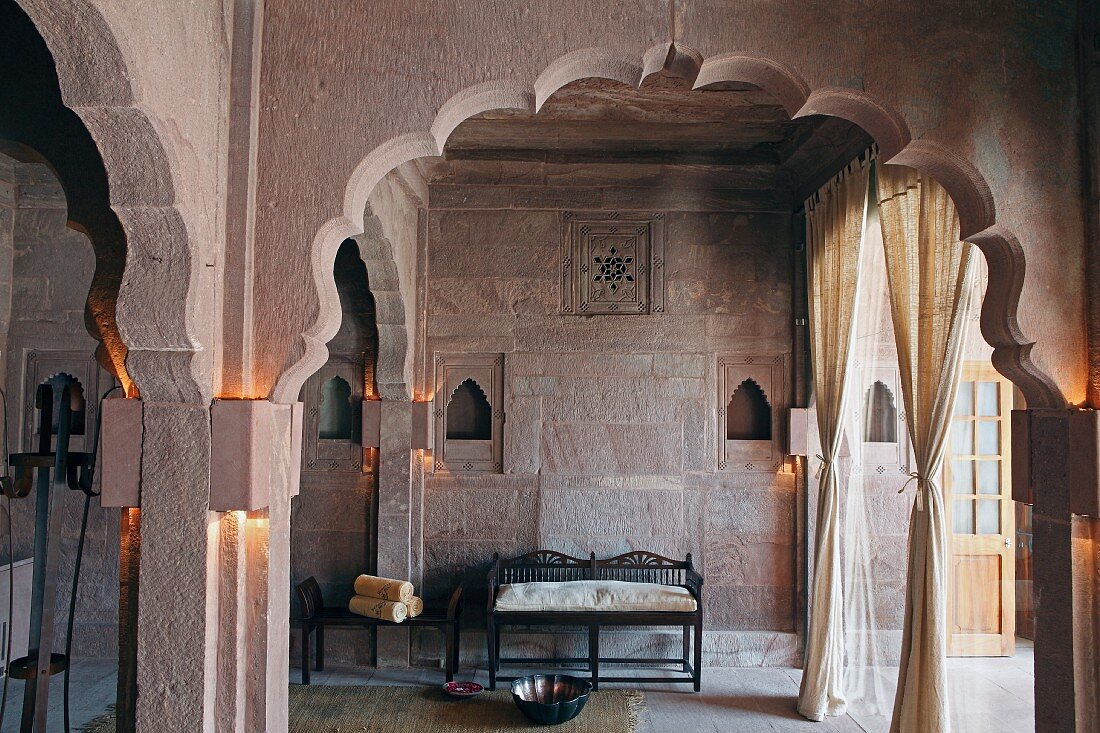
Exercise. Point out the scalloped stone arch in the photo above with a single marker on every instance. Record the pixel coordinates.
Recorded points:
(391, 371)
(967, 187)
(154, 315)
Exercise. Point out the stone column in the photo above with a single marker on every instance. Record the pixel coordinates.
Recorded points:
(1056, 587)
(177, 604)
(129, 566)
(395, 472)
(214, 604)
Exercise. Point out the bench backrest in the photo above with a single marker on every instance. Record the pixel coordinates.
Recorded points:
(637, 566)
(546, 566)
(310, 598)
(640, 566)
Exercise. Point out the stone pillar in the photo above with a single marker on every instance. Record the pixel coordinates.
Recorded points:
(177, 605)
(1056, 674)
(1086, 614)
(129, 565)
(213, 625)
(395, 472)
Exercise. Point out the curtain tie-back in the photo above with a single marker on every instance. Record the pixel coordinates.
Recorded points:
(821, 461)
(921, 482)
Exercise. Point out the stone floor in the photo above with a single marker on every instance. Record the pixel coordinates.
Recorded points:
(992, 694)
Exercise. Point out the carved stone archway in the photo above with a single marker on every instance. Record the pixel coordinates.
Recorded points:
(154, 311)
(962, 180)
(885, 125)
(158, 319)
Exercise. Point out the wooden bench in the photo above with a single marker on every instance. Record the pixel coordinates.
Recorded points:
(316, 617)
(544, 566)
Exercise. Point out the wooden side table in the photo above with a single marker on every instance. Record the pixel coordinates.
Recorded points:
(315, 617)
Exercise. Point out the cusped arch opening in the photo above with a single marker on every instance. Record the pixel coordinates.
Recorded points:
(336, 420)
(42, 134)
(880, 415)
(748, 413)
(469, 414)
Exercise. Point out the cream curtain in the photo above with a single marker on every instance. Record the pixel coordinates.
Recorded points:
(866, 652)
(929, 272)
(835, 219)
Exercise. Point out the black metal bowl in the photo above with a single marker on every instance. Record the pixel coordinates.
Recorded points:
(550, 699)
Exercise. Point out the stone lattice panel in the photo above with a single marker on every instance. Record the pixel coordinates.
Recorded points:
(611, 263)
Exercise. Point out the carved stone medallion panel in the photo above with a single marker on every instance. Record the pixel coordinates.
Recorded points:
(612, 263)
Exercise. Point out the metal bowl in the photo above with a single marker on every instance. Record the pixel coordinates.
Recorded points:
(550, 699)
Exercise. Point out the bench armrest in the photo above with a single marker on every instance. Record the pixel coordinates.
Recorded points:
(454, 607)
(694, 582)
(493, 579)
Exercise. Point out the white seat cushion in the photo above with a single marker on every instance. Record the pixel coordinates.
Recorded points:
(594, 595)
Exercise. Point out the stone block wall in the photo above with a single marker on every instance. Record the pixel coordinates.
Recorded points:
(609, 438)
(46, 269)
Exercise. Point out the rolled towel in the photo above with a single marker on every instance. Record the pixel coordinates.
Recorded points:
(415, 606)
(387, 589)
(377, 608)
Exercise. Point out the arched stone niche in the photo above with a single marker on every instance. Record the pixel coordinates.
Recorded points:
(751, 402)
(883, 417)
(469, 413)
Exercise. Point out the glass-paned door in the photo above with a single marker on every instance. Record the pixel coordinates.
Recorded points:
(981, 571)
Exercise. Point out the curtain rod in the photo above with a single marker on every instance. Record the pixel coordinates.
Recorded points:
(860, 161)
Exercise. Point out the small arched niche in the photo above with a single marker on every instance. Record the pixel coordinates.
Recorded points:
(748, 414)
(469, 414)
(78, 405)
(880, 415)
(337, 419)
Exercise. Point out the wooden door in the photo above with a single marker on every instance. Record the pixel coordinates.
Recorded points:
(981, 607)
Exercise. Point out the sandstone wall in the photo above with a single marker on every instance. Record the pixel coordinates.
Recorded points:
(609, 440)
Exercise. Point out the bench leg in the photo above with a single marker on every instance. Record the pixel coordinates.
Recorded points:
(699, 654)
(456, 631)
(305, 654)
(594, 655)
(448, 651)
(687, 647)
(320, 648)
(490, 640)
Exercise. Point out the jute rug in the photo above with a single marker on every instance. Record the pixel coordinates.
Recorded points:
(368, 709)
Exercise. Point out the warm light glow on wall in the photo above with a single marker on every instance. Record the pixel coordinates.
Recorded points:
(425, 456)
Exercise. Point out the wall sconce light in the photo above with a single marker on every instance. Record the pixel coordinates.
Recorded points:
(798, 431)
(120, 452)
(1084, 462)
(1021, 457)
(245, 435)
(422, 425)
(372, 423)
